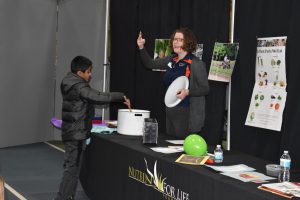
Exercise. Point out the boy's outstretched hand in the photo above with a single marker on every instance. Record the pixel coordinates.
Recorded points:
(127, 103)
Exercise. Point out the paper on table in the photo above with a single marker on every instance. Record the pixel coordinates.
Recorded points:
(179, 148)
(175, 141)
(192, 160)
(248, 176)
(166, 150)
(232, 168)
(285, 187)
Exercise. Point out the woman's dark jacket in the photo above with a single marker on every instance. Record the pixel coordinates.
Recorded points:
(198, 87)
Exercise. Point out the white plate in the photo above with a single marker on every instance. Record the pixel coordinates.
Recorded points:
(182, 82)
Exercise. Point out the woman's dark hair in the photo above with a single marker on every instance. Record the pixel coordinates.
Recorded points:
(189, 39)
(80, 63)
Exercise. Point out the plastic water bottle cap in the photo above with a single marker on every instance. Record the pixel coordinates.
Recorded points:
(285, 151)
(218, 146)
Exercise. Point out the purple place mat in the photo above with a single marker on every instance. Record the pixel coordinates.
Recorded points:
(56, 122)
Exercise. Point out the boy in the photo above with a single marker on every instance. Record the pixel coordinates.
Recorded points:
(77, 114)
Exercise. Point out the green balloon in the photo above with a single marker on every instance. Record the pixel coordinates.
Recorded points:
(195, 145)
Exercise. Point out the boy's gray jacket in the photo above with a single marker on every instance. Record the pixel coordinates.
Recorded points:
(78, 106)
(198, 86)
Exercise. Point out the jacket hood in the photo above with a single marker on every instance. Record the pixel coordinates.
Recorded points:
(69, 80)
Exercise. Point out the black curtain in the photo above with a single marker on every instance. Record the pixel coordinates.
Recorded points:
(209, 20)
(267, 18)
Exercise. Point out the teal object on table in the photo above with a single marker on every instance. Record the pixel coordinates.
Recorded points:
(103, 129)
(195, 145)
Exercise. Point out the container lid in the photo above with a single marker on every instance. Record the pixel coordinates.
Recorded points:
(152, 120)
(218, 145)
(285, 151)
(134, 110)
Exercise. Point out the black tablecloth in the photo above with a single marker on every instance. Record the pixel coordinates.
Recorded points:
(115, 168)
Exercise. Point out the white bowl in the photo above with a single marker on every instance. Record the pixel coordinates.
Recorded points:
(273, 170)
(182, 82)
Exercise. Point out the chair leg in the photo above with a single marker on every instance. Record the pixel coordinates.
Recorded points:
(1, 188)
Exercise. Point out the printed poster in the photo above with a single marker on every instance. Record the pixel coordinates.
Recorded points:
(223, 61)
(199, 51)
(192, 160)
(162, 49)
(269, 94)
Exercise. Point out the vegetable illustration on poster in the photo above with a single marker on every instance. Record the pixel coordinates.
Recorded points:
(269, 92)
(162, 48)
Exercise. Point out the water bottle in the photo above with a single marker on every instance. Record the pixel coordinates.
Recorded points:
(285, 164)
(285, 160)
(284, 175)
(218, 154)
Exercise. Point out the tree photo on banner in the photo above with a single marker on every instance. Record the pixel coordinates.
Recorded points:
(269, 93)
(223, 61)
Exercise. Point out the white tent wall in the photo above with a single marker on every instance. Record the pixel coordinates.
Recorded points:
(36, 48)
(27, 55)
(81, 31)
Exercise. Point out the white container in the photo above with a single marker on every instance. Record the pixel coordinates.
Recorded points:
(131, 123)
(273, 170)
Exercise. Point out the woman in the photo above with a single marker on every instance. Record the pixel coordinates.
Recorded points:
(188, 116)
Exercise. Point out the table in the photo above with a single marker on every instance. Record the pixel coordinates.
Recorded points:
(118, 167)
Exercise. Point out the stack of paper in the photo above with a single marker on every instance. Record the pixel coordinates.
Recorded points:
(285, 189)
(242, 172)
(169, 149)
(175, 141)
(192, 160)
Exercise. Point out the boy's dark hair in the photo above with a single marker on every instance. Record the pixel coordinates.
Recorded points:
(80, 63)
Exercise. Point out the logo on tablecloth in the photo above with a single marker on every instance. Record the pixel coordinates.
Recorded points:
(157, 181)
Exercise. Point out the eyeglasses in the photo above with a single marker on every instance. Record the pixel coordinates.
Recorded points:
(178, 39)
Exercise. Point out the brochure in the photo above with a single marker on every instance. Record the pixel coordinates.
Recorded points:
(285, 189)
(248, 176)
(232, 168)
(167, 150)
(192, 160)
(175, 141)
